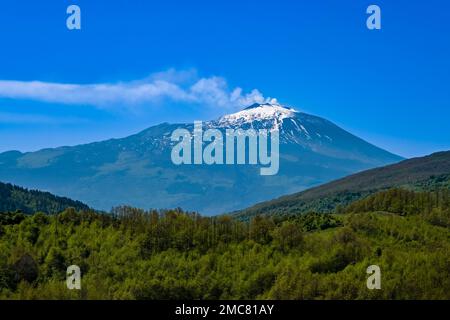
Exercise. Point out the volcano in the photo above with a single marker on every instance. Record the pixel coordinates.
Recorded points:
(137, 170)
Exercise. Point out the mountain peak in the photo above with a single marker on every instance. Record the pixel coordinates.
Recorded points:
(257, 112)
(267, 105)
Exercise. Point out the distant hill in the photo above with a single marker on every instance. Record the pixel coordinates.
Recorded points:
(425, 173)
(13, 198)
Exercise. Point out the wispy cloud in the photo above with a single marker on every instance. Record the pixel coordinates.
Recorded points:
(171, 85)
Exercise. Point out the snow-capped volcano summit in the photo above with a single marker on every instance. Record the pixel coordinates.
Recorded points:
(273, 112)
(293, 126)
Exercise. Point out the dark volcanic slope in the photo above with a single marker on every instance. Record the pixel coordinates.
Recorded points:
(417, 172)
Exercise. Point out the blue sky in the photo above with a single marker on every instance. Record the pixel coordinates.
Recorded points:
(139, 63)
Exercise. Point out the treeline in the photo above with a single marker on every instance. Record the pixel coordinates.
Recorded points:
(434, 206)
(181, 230)
(172, 254)
(14, 198)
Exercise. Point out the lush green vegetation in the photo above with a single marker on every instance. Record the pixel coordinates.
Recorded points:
(14, 198)
(432, 206)
(418, 174)
(132, 254)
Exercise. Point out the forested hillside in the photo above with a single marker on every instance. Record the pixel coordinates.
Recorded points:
(133, 254)
(425, 173)
(13, 198)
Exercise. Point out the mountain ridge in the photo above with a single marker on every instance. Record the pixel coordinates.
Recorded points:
(14, 198)
(414, 173)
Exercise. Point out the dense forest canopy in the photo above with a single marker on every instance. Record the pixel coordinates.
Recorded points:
(136, 254)
(14, 198)
(418, 174)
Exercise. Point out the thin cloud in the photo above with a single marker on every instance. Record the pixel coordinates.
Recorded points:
(172, 85)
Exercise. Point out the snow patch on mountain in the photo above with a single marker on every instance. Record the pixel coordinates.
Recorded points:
(271, 112)
(272, 116)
